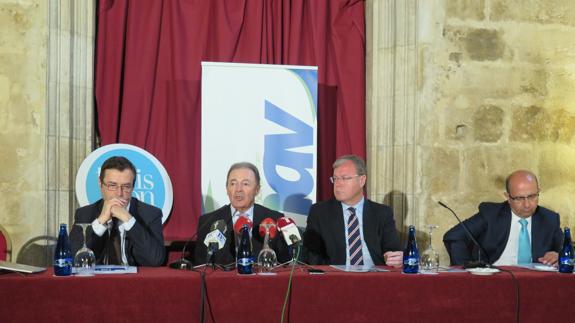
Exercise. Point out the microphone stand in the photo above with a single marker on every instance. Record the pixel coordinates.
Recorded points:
(297, 245)
(212, 248)
(473, 263)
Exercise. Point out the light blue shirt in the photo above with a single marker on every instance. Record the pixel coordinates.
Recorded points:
(367, 261)
(249, 213)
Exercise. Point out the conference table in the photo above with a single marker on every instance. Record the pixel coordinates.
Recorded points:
(168, 295)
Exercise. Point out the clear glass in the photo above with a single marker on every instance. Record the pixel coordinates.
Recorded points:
(267, 258)
(85, 260)
(429, 262)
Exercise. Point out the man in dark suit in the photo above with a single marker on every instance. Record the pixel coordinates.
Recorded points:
(242, 186)
(499, 227)
(351, 230)
(123, 230)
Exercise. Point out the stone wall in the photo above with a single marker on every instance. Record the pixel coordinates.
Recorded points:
(23, 119)
(46, 117)
(460, 93)
(493, 94)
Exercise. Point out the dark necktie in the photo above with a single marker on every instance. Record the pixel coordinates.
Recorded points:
(114, 251)
(354, 239)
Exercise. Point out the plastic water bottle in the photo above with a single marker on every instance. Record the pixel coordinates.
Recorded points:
(566, 255)
(411, 254)
(245, 258)
(63, 254)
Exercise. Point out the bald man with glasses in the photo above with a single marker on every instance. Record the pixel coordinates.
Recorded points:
(517, 231)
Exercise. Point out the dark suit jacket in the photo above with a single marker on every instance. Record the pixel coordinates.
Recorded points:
(324, 237)
(491, 227)
(144, 241)
(227, 255)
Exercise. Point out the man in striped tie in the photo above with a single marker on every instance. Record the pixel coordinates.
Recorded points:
(350, 229)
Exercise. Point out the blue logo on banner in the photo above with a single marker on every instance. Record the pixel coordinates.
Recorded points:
(278, 151)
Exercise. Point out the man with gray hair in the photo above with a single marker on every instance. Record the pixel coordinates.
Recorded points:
(242, 186)
(350, 229)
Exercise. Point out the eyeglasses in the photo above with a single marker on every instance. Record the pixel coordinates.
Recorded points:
(335, 179)
(114, 187)
(531, 197)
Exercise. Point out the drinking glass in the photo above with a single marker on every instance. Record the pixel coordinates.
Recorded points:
(429, 262)
(84, 260)
(267, 258)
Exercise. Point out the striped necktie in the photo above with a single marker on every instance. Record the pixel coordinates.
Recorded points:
(354, 239)
(524, 250)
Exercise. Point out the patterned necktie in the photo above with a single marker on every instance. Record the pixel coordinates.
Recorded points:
(524, 252)
(354, 239)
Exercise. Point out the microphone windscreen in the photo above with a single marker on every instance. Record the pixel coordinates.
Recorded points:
(221, 225)
(284, 221)
(271, 224)
(242, 220)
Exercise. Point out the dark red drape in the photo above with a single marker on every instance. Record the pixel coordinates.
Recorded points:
(148, 73)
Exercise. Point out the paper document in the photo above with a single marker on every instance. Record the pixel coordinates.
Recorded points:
(358, 269)
(115, 269)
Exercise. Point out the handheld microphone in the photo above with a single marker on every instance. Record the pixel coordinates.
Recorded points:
(268, 224)
(240, 222)
(471, 264)
(183, 263)
(289, 230)
(217, 235)
(215, 240)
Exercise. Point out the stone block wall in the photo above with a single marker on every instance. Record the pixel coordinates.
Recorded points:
(22, 119)
(493, 94)
(46, 117)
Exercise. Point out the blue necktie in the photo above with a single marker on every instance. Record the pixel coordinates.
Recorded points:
(354, 239)
(524, 252)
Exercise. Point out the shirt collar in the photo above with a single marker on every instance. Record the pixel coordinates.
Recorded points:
(235, 213)
(357, 206)
(515, 218)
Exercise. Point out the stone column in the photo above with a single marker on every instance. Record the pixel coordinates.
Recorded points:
(70, 104)
(392, 106)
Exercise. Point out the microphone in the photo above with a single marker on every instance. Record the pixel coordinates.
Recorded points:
(269, 225)
(240, 222)
(216, 239)
(471, 264)
(183, 263)
(289, 230)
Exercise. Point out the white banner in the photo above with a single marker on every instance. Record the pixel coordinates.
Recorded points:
(266, 115)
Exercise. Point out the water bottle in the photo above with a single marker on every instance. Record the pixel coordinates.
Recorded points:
(245, 258)
(566, 255)
(411, 254)
(63, 254)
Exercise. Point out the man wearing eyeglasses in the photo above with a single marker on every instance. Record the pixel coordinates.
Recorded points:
(123, 230)
(350, 229)
(517, 231)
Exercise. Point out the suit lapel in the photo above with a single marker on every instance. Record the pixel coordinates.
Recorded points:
(503, 227)
(258, 217)
(338, 229)
(536, 231)
(369, 227)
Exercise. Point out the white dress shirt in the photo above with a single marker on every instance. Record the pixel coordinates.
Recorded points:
(99, 229)
(509, 255)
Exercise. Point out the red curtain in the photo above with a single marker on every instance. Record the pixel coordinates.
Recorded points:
(147, 78)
